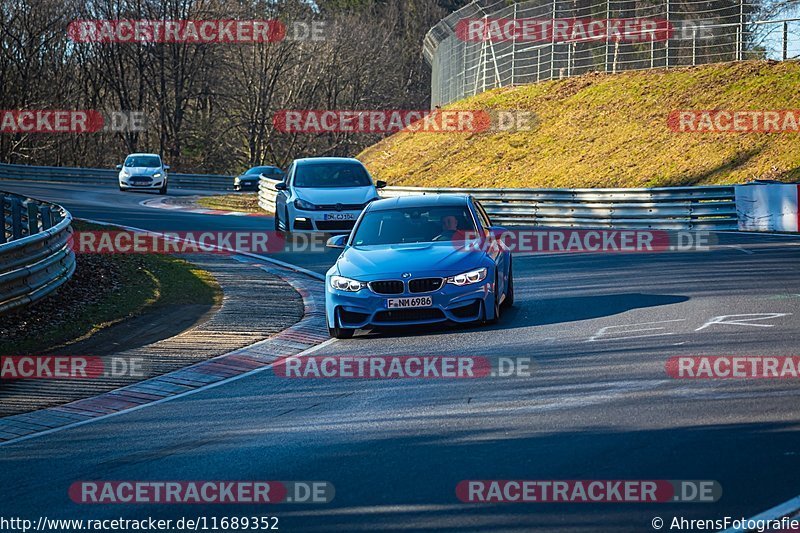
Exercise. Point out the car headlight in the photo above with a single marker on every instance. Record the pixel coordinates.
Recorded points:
(157, 175)
(302, 204)
(126, 174)
(237, 179)
(346, 284)
(468, 278)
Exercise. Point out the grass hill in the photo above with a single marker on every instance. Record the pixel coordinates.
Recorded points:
(608, 130)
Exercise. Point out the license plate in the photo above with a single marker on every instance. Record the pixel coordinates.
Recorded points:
(339, 216)
(401, 303)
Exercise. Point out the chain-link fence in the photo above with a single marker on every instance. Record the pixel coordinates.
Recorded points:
(496, 43)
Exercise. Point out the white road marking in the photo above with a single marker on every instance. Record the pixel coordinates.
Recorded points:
(743, 321)
(741, 249)
(602, 331)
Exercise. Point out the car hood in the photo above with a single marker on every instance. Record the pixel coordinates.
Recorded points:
(369, 263)
(138, 171)
(336, 195)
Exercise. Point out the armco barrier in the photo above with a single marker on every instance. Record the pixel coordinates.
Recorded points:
(101, 176)
(768, 207)
(35, 254)
(712, 207)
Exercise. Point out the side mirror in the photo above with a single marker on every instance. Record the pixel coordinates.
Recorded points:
(280, 186)
(119, 167)
(166, 167)
(337, 241)
(380, 184)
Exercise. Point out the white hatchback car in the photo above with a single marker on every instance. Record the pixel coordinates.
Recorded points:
(323, 194)
(143, 171)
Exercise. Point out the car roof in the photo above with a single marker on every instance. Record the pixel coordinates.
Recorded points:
(129, 155)
(307, 160)
(419, 200)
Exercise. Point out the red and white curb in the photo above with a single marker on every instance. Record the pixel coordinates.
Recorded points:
(306, 336)
(163, 203)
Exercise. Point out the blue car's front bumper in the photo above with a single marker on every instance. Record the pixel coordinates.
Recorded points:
(356, 310)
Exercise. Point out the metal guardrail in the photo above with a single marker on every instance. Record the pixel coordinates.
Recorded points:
(707, 207)
(101, 176)
(35, 252)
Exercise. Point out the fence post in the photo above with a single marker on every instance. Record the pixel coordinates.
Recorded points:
(33, 215)
(553, 44)
(666, 43)
(740, 33)
(538, 64)
(608, 17)
(694, 46)
(785, 40)
(514, 49)
(16, 218)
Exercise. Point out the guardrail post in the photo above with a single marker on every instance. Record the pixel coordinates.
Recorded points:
(47, 217)
(16, 218)
(2, 219)
(33, 218)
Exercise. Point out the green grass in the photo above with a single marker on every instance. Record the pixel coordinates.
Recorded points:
(605, 130)
(246, 202)
(146, 283)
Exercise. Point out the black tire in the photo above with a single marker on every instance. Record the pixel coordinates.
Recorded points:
(277, 223)
(496, 306)
(509, 301)
(341, 333)
(122, 189)
(287, 227)
(163, 190)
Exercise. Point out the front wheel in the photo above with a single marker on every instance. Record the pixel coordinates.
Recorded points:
(341, 333)
(496, 305)
(509, 301)
(163, 190)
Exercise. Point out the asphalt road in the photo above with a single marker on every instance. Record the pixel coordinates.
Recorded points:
(598, 405)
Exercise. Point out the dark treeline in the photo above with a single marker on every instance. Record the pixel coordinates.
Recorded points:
(210, 107)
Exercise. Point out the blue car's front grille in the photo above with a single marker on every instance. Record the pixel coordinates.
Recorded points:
(387, 287)
(425, 284)
(409, 315)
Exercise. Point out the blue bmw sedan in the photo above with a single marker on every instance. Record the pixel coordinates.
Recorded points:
(418, 260)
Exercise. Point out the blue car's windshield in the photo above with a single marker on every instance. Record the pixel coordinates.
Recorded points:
(427, 224)
(143, 161)
(328, 175)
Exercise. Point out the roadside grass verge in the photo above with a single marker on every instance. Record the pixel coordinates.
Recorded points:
(608, 130)
(244, 202)
(105, 290)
